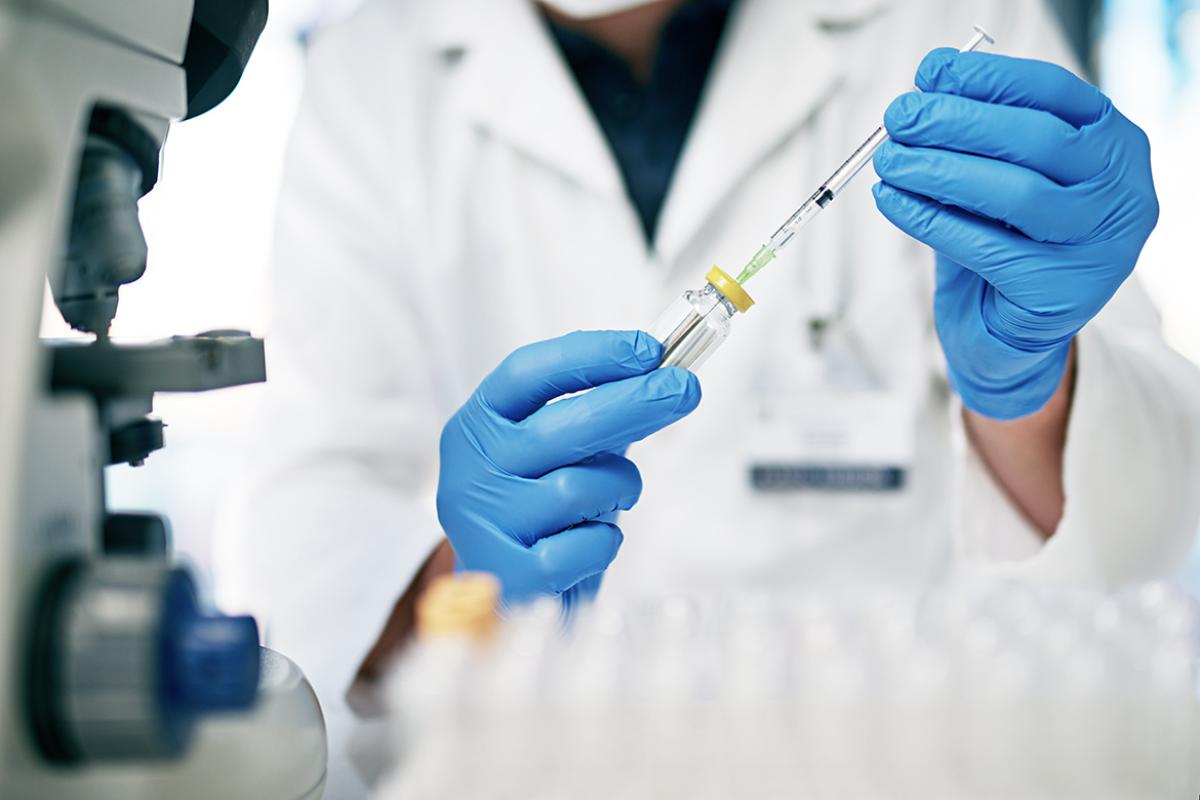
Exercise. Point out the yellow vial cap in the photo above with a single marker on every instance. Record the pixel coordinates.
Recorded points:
(732, 290)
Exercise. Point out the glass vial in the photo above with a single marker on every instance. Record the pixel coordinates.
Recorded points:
(696, 324)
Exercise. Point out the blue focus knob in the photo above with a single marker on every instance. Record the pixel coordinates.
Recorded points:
(210, 662)
(125, 662)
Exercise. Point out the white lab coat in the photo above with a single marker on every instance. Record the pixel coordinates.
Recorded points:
(449, 197)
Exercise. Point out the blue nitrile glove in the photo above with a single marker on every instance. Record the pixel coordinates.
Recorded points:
(1037, 197)
(528, 487)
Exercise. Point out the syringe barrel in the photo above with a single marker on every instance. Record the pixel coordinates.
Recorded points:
(857, 160)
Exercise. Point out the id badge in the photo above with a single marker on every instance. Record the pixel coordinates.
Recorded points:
(832, 441)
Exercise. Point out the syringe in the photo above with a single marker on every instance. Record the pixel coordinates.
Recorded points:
(832, 186)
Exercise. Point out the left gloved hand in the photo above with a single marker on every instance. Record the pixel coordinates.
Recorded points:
(531, 479)
(1037, 197)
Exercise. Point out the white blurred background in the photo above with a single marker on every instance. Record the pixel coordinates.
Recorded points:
(1148, 54)
(209, 226)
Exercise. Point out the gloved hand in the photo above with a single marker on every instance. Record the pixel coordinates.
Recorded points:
(528, 488)
(1037, 197)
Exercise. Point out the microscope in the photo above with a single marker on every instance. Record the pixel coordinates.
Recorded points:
(116, 679)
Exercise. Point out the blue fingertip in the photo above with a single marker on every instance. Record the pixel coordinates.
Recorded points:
(617, 540)
(901, 112)
(692, 393)
(685, 386)
(647, 350)
(883, 157)
(888, 200)
(936, 72)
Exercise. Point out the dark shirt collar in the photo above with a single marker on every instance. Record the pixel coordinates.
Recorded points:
(646, 123)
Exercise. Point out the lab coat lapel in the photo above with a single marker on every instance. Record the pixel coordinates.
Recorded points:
(514, 84)
(776, 66)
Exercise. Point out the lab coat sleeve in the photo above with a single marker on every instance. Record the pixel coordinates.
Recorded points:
(338, 513)
(1130, 468)
(1132, 460)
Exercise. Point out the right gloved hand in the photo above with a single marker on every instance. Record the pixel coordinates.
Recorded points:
(527, 489)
